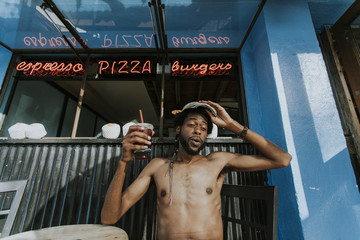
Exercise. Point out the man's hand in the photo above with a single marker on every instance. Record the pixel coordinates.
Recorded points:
(222, 119)
(272, 155)
(135, 139)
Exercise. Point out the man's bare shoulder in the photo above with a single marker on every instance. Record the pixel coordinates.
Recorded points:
(220, 156)
(155, 163)
(159, 160)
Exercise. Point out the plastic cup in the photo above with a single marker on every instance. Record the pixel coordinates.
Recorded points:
(146, 153)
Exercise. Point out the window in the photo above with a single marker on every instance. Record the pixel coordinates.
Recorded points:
(35, 102)
(116, 88)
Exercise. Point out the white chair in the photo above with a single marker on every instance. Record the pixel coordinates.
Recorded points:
(11, 186)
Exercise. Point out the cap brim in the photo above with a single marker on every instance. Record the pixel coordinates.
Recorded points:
(198, 104)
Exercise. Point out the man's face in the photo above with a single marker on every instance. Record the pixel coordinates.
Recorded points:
(193, 133)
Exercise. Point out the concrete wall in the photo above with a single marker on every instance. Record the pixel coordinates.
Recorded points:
(290, 101)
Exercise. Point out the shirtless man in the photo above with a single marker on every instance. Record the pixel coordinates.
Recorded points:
(188, 185)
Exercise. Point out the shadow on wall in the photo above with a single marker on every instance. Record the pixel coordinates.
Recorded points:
(290, 101)
(321, 166)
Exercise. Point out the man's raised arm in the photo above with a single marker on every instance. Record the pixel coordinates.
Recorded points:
(272, 155)
(116, 203)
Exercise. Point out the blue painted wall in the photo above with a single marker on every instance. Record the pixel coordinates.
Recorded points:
(5, 56)
(265, 118)
(290, 101)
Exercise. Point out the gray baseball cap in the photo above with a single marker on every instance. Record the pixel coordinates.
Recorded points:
(198, 104)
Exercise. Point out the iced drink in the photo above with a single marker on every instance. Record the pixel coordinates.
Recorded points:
(146, 153)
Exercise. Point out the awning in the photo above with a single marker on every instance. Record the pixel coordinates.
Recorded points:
(130, 24)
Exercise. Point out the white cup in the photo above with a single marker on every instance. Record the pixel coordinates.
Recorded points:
(111, 131)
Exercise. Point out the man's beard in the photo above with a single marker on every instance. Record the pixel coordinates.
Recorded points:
(185, 145)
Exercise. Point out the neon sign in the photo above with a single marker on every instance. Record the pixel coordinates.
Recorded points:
(77, 69)
(123, 67)
(119, 67)
(204, 69)
(202, 40)
(113, 40)
(50, 68)
(124, 41)
(52, 41)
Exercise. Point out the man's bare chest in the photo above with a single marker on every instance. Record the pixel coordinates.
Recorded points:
(187, 182)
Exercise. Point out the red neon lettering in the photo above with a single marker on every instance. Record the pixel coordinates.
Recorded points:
(48, 68)
(133, 68)
(27, 67)
(113, 67)
(41, 72)
(101, 68)
(213, 67)
(196, 67)
(124, 67)
(36, 67)
(127, 43)
(202, 69)
(68, 67)
(186, 40)
(72, 40)
(175, 67)
(64, 42)
(228, 66)
(54, 66)
(213, 39)
(61, 67)
(147, 67)
(20, 66)
(175, 41)
(78, 67)
(57, 41)
(107, 42)
(51, 42)
(29, 40)
(226, 39)
(148, 40)
(26, 41)
(135, 37)
(187, 68)
(124, 64)
(42, 40)
(202, 39)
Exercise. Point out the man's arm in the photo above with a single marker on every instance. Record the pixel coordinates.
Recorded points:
(116, 203)
(272, 155)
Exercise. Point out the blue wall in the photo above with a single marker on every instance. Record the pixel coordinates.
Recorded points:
(5, 56)
(290, 101)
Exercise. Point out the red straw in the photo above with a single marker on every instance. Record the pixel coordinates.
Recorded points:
(141, 116)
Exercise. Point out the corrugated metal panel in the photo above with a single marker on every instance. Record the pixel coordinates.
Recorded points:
(68, 179)
(249, 212)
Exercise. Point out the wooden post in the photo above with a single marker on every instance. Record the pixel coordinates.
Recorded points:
(81, 96)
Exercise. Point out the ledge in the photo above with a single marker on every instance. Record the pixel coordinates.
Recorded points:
(94, 140)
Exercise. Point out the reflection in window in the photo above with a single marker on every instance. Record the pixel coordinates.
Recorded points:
(35, 102)
(355, 28)
(40, 102)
